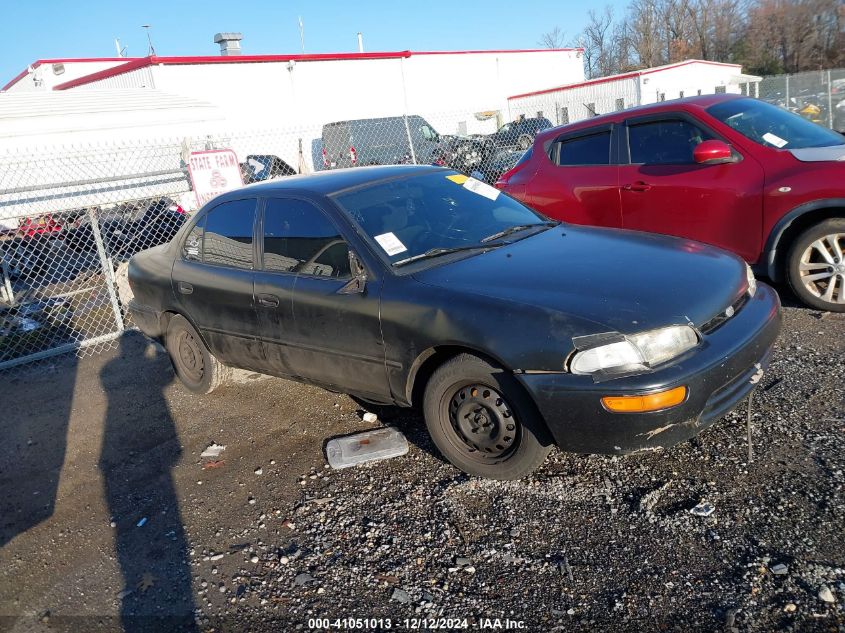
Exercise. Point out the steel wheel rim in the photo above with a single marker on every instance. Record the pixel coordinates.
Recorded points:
(190, 357)
(482, 423)
(822, 268)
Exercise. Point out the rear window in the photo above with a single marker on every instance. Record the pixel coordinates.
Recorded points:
(593, 149)
(228, 234)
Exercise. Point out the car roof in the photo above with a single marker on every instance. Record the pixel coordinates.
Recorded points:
(698, 102)
(332, 181)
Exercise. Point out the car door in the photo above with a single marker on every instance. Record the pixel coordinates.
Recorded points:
(663, 190)
(579, 182)
(213, 282)
(319, 331)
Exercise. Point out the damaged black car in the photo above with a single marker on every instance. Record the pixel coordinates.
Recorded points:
(420, 286)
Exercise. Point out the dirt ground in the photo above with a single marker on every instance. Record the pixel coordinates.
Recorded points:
(110, 519)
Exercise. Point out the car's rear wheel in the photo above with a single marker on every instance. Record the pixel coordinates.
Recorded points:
(524, 142)
(816, 265)
(195, 366)
(482, 421)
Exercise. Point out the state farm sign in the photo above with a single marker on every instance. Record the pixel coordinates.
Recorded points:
(214, 172)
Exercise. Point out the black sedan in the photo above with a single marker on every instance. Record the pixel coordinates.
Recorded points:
(419, 286)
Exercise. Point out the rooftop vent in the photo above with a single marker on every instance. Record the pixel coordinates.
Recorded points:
(230, 43)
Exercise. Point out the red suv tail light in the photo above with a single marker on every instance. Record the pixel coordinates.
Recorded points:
(353, 155)
(325, 158)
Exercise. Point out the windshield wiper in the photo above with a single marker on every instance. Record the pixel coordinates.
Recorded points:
(514, 229)
(436, 252)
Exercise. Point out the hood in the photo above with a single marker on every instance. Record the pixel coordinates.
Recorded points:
(819, 154)
(623, 281)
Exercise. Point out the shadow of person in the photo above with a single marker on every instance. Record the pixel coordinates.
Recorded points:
(37, 404)
(140, 448)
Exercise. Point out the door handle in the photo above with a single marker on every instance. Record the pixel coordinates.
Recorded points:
(637, 186)
(185, 288)
(268, 301)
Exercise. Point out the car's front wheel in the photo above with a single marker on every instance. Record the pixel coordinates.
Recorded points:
(816, 265)
(482, 421)
(524, 142)
(195, 366)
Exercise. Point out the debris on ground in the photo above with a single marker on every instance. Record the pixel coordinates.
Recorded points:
(826, 595)
(703, 509)
(213, 450)
(369, 417)
(217, 463)
(141, 523)
(351, 450)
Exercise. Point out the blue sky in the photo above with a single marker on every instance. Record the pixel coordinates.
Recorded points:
(87, 28)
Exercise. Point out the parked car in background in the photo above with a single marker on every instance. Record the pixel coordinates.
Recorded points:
(727, 170)
(417, 285)
(520, 133)
(126, 228)
(379, 141)
(260, 167)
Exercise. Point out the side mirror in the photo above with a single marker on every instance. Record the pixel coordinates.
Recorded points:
(713, 153)
(358, 283)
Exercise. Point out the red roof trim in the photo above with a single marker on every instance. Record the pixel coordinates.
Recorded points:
(142, 62)
(524, 50)
(630, 75)
(60, 60)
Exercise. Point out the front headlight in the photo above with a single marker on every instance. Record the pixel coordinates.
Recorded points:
(752, 282)
(635, 352)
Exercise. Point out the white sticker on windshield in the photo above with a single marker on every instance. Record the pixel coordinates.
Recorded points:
(774, 139)
(481, 188)
(390, 243)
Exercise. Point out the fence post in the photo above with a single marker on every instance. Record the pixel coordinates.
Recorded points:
(405, 113)
(786, 92)
(829, 102)
(7, 284)
(105, 261)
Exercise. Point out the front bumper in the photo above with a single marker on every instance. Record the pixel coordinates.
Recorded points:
(719, 373)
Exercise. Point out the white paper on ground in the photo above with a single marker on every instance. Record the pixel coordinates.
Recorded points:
(390, 243)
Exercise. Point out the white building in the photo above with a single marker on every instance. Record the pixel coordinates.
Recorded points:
(306, 91)
(579, 100)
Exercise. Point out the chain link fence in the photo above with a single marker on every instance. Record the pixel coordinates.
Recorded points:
(72, 216)
(818, 95)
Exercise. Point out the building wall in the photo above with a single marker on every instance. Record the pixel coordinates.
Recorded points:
(577, 103)
(447, 88)
(687, 81)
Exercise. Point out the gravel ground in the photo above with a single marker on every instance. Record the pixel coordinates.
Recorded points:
(108, 512)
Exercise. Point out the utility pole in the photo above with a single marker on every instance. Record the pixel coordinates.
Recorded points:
(151, 51)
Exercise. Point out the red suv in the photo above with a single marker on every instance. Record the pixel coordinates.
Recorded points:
(728, 170)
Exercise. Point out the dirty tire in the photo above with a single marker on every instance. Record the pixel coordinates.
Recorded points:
(524, 142)
(805, 252)
(482, 421)
(196, 367)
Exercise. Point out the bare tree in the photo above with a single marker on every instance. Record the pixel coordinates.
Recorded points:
(553, 39)
(597, 41)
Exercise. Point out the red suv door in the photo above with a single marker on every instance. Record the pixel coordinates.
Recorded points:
(579, 182)
(663, 190)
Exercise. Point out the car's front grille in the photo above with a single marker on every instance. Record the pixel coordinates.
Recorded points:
(719, 320)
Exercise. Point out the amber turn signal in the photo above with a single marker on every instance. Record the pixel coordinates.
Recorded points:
(650, 402)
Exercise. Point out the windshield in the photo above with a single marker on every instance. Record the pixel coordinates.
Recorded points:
(772, 126)
(422, 213)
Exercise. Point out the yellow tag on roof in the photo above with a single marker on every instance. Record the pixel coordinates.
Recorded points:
(458, 178)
